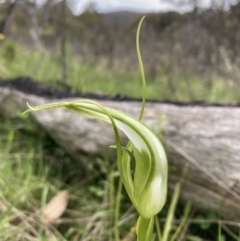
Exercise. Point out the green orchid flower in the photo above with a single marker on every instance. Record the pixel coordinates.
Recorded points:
(142, 164)
(147, 187)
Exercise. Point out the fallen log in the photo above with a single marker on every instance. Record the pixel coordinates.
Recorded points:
(206, 138)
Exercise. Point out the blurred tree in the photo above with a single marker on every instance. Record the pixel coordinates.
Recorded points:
(29, 7)
(10, 9)
(46, 10)
(188, 4)
(197, 4)
(62, 19)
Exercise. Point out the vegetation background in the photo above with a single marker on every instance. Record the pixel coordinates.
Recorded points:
(187, 56)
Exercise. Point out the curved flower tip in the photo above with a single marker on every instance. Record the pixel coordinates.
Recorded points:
(147, 187)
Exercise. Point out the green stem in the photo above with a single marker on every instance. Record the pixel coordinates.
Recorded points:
(141, 69)
(158, 229)
(117, 209)
(111, 202)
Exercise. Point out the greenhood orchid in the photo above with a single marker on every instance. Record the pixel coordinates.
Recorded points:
(148, 186)
(142, 164)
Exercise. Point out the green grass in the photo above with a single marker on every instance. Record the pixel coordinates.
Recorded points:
(33, 168)
(169, 85)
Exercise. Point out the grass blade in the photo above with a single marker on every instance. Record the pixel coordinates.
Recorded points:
(171, 211)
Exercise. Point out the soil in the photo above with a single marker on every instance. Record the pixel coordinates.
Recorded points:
(30, 86)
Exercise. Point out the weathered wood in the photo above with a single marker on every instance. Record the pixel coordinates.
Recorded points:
(206, 138)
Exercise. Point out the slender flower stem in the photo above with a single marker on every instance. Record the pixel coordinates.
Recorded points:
(146, 182)
(141, 69)
(117, 209)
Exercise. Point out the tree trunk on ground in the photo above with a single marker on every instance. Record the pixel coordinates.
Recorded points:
(205, 138)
